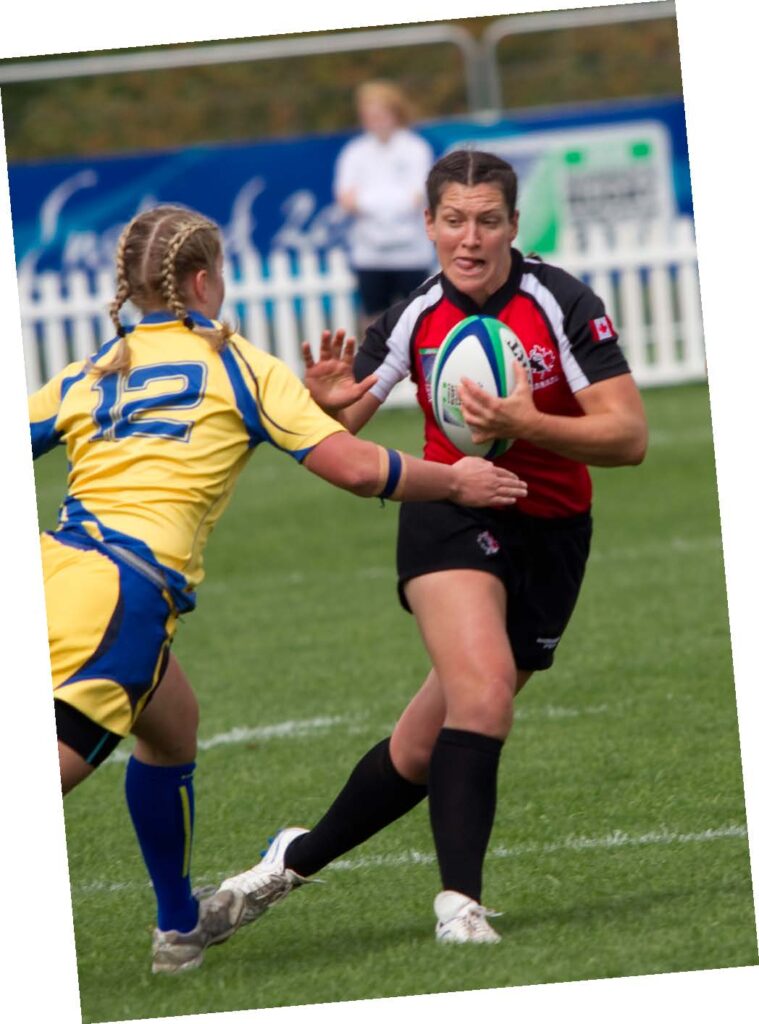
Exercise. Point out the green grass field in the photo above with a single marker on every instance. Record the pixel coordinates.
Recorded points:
(620, 843)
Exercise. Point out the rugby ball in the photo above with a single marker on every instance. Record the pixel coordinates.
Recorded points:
(484, 350)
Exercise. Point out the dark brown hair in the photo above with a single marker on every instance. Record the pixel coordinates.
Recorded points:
(471, 167)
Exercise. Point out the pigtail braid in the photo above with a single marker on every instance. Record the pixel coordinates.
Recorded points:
(121, 359)
(169, 285)
(123, 288)
(217, 338)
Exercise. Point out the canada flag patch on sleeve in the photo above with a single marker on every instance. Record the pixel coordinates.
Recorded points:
(602, 328)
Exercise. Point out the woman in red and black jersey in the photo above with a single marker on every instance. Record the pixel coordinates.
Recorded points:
(492, 590)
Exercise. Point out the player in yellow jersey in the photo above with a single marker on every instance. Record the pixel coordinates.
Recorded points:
(157, 426)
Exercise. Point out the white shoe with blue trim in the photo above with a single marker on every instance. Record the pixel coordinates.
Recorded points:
(269, 881)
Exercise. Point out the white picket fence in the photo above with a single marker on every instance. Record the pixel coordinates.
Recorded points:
(647, 277)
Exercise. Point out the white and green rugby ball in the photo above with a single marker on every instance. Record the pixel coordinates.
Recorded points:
(484, 350)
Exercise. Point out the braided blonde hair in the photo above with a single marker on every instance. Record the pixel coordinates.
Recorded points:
(155, 253)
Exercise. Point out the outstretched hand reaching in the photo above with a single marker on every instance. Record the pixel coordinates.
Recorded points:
(330, 380)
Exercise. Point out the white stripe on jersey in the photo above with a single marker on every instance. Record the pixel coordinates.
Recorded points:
(397, 363)
(547, 302)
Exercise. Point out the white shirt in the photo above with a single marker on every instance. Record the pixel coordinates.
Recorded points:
(388, 179)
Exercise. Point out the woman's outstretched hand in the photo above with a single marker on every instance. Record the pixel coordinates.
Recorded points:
(330, 380)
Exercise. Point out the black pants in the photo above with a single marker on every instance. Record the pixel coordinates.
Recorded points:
(381, 288)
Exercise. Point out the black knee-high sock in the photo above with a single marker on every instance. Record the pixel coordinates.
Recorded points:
(462, 791)
(374, 796)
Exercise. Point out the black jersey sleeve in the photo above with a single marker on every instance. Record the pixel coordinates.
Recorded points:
(593, 337)
(374, 348)
(386, 348)
(587, 338)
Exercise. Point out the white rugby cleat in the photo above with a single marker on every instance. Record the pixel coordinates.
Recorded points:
(219, 916)
(462, 919)
(269, 881)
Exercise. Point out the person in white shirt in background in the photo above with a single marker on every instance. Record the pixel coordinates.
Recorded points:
(379, 182)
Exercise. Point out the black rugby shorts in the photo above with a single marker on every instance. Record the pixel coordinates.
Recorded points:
(541, 563)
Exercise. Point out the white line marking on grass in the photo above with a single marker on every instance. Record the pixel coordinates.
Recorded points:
(673, 545)
(665, 438)
(666, 546)
(661, 837)
(375, 572)
(287, 730)
(572, 844)
(101, 886)
(555, 711)
(288, 579)
(332, 579)
(243, 734)
(298, 729)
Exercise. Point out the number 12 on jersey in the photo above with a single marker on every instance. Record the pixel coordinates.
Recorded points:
(125, 409)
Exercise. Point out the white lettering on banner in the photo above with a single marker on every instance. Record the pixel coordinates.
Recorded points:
(327, 227)
(50, 209)
(238, 237)
(50, 212)
(305, 227)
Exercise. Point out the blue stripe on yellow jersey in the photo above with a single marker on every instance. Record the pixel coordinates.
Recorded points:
(154, 454)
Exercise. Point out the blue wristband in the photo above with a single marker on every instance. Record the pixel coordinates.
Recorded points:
(395, 465)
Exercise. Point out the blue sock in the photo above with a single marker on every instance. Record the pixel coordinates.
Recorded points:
(162, 805)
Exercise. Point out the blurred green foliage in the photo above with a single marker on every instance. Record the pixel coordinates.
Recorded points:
(603, 62)
(116, 113)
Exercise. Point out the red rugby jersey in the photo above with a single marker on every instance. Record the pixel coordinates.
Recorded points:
(567, 335)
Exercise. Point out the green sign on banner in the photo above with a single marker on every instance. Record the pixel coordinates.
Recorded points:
(589, 176)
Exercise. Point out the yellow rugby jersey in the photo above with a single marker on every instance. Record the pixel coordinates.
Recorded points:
(154, 454)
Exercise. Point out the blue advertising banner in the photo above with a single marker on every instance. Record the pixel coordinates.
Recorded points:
(612, 160)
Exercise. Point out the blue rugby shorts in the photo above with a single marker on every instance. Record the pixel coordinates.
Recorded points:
(109, 630)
